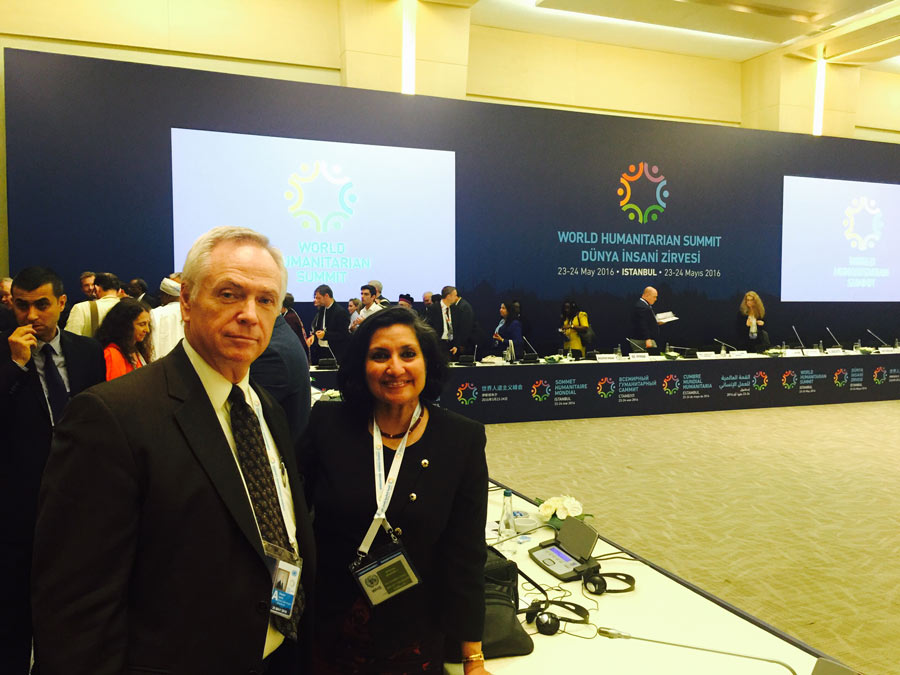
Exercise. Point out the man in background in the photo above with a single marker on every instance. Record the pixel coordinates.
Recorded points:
(7, 318)
(41, 367)
(166, 326)
(137, 289)
(644, 326)
(330, 326)
(379, 297)
(367, 295)
(86, 317)
(87, 284)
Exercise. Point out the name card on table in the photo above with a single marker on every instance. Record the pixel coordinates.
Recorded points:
(638, 356)
(887, 350)
(835, 351)
(608, 357)
(798, 352)
(738, 353)
(706, 355)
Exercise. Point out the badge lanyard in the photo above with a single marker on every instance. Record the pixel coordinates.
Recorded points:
(384, 489)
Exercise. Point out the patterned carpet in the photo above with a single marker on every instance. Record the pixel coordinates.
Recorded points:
(792, 514)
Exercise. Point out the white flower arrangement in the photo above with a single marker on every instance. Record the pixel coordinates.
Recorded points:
(561, 507)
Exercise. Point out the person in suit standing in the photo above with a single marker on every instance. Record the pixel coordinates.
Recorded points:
(459, 324)
(160, 534)
(644, 326)
(283, 371)
(40, 368)
(331, 326)
(85, 317)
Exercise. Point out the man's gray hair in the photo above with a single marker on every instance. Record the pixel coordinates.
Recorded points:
(377, 284)
(196, 265)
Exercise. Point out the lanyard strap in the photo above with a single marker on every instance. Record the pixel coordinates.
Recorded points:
(384, 489)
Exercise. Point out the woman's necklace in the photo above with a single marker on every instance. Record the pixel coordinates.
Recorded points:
(401, 435)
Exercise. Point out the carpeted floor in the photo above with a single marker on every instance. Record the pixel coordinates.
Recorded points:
(792, 514)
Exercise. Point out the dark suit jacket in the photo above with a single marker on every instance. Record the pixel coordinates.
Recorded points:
(337, 332)
(147, 556)
(643, 322)
(27, 431)
(462, 316)
(283, 371)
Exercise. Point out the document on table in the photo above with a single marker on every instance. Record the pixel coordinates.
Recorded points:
(666, 317)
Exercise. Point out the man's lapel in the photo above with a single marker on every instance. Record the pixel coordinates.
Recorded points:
(200, 426)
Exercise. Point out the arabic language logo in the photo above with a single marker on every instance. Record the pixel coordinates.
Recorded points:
(671, 384)
(840, 377)
(880, 375)
(760, 380)
(789, 379)
(467, 393)
(606, 387)
(540, 390)
(857, 240)
(634, 174)
(334, 196)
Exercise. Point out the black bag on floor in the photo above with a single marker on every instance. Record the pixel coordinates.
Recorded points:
(503, 633)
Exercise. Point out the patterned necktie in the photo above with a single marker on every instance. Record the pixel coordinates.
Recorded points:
(254, 463)
(57, 395)
(449, 324)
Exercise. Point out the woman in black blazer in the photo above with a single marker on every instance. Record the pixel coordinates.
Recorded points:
(392, 370)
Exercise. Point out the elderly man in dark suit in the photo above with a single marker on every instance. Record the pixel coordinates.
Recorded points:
(644, 326)
(171, 500)
(40, 368)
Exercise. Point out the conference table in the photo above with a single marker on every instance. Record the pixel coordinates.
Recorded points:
(611, 385)
(662, 609)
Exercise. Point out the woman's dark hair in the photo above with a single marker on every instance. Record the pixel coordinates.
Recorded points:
(118, 328)
(351, 377)
(573, 310)
(511, 313)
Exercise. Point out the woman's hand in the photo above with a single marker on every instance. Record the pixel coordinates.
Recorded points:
(475, 669)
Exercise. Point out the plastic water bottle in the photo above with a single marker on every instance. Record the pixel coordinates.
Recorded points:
(618, 351)
(507, 530)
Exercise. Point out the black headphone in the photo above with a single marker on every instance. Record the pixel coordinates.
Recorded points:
(595, 583)
(547, 622)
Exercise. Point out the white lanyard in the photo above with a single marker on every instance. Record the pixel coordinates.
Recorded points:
(384, 489)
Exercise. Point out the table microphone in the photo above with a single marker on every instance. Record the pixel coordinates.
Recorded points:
(876, 337)
(635, 343)
(529, 344)
(613, 634)
(840, 346)
(799, 340)
(725, 344)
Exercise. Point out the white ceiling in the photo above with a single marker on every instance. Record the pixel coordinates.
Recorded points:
(863, 32)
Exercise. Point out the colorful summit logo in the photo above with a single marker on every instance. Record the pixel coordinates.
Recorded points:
(671, 384)
(540, 390)
(789, 379)
(323, 199)
(606, 387)
(467, 393)
(879, 375)
(841, 377)
(760, 380)
(629, 179)
(871, 218)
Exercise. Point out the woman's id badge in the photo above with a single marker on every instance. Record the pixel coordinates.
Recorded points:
(385, 575)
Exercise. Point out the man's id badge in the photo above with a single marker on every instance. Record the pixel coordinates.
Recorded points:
(285, 568)
(386, 574)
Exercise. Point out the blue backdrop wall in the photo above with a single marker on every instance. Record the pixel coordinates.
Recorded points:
(539, 193)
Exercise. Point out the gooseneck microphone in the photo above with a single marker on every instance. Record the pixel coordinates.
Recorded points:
(636, 344)
(876, 337)
(840, 346)
(725, 344)
(529, 344)
(802, 348)
(613, 634)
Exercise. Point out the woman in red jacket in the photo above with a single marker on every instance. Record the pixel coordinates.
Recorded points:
(123, 335)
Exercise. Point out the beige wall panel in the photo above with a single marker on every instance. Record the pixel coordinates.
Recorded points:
(299, 31)
(795, 119)
(371, 71)
(879, 101)
(760, 83)
(839, 123)
(842, 88)
(523, 66)
(768, 118)
(878, 135)
(372, 26)
(446, 80)
(442, 33)
(141, 24)
(798, 82)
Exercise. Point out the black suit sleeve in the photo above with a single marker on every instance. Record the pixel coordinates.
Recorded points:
(90, 478)
(463, 317)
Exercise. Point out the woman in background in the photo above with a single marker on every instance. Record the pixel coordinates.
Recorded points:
(509, 328)
(353, 305)
(750, 321)
(574, 324)
(123, 335)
